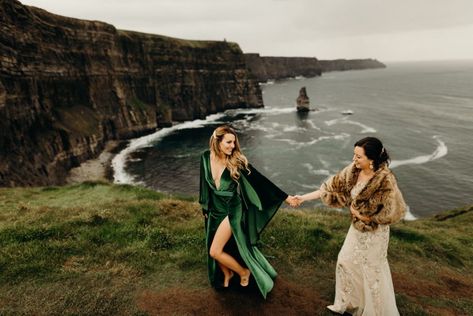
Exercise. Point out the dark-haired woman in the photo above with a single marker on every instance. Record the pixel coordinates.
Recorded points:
(367, 186)
(238, 202)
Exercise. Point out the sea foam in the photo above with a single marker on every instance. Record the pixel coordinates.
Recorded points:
(120, 161)
(438, 153)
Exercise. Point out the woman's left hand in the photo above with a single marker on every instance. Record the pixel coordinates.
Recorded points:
(355, 213)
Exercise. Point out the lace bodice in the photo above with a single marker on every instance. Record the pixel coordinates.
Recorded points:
(357, 188)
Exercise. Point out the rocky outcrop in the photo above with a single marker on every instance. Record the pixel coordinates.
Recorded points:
(67, 86)
(303, 101)
(265, 68)
(350, 64)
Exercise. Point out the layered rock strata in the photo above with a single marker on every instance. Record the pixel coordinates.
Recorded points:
(67, 86)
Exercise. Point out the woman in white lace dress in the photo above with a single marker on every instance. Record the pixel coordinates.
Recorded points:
(367, 186)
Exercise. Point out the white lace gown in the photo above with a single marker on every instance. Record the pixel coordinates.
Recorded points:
(363, 279)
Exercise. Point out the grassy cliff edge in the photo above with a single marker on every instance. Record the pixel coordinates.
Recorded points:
(97, 248)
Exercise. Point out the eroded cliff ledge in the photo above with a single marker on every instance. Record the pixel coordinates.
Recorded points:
(67, 86)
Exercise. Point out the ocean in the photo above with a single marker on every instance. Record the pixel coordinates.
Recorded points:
(422, 111)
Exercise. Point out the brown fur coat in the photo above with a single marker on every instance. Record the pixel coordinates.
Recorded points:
(380, 199)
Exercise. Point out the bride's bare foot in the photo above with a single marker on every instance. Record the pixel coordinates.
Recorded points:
(245, 278)
(226, 281)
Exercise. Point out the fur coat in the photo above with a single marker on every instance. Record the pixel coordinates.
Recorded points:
(380, 199)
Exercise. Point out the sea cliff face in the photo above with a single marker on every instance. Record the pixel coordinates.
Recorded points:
(350, 64)
(67, 86)
(265, 68)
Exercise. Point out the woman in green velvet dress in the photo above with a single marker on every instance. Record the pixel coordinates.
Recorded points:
(237, 202)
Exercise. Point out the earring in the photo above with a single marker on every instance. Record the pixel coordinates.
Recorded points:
(371, 165)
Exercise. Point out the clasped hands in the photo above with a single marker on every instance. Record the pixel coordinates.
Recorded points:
(297, 200)
(294, 200)
(356, 214)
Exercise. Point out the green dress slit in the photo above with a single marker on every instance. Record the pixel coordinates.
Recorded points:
(249, 204)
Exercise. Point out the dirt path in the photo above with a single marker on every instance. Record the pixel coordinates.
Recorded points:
(285, 299)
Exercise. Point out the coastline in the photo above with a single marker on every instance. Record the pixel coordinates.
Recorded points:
(97, 169)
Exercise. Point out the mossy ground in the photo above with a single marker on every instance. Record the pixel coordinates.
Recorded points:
(102, 249)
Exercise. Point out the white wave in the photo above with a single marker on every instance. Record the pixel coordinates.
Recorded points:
(120, 161)
(345, 120)
(309, 186)
(272, 135)
(438, 153)
(299, 144)
(314, 171)
(267, 83)
(265, 110)
(290, 141)
(288, 128)
(324, 163)
(365, 128)
(258, 128)
(299, 77)
(409, 216)
(182, 156)
(335, 121)
(312, 125)
(454, 97)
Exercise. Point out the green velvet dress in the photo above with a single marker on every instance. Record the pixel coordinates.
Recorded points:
(249, 204)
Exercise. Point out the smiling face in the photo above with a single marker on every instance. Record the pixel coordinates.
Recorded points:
(227, 144)
(359, 158)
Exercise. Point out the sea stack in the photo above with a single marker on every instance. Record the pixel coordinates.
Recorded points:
(303, 101)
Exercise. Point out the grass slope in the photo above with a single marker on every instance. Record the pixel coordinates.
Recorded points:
(104, 249)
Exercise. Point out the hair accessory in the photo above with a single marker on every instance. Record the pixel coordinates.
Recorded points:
(214, 134)
(382, 151)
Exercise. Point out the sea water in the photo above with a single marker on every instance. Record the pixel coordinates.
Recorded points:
(422, 111)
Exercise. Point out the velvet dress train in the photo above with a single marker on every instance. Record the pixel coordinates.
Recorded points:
(249, 204)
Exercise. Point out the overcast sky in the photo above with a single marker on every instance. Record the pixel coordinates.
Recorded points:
(388, 30)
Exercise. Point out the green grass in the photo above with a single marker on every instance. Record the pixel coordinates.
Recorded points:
(92, 248)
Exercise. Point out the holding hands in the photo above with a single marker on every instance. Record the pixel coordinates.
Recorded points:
(294, 200)
(297, 200)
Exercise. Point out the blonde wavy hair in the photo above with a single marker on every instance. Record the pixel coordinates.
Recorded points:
(236, 161)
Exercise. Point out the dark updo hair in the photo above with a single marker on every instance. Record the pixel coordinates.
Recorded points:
(375, 151)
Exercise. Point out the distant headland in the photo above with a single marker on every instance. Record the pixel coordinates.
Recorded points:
(265, 68)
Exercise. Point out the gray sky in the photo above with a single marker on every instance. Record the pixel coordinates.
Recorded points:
(389, 30)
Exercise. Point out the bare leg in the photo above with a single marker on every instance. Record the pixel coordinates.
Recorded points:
(222, 235)
(227, 273)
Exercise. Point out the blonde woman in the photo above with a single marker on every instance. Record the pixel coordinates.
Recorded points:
(237, 202)
(367, 186)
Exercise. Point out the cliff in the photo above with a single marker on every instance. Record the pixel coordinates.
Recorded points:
(67, 86)
(350, 64)
(265, 68)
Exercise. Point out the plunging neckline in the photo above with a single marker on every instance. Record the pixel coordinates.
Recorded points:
(211, 174)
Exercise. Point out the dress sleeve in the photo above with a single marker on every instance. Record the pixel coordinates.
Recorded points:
(267, 191)
(393, 208)
(262, 199)
(203, 187)
(333, 192)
